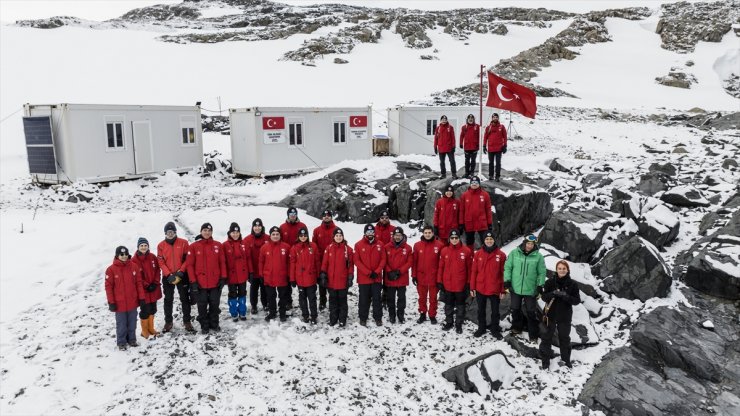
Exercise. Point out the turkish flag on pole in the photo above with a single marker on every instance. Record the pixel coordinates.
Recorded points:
(358, 121)
(511, 96)
(273, 123)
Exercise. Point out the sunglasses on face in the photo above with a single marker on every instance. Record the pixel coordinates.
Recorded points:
(454, 238)
(369, 232)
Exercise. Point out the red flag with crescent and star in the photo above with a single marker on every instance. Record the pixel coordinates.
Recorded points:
(358, 121)
(508, 95)
(273, 123)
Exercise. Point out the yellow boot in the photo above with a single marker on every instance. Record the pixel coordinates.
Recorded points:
(145, 328)
(152, 330)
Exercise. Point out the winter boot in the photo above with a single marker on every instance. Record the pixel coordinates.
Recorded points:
(401, 320)
(458, 329)
(122, 347)
(241, 306)
(152, 331)
(363, 322)
(304, 319)
(133, 343)
(447, 326)
(145, 328)
(233, 308)
(545, 363)
(479, 333)
(378, 322)
(433, 320)
(313, 321)
(168, 327)
(392, 319)
(422, 318)
(189, 327)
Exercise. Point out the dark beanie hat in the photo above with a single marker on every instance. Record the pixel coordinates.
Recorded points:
(488, 234)
(338, 231)
(274, 229)
(303, 231)
(141, 241)
(292, 211)
(234, 227)
(170, 226)
(206, 226)
(121, 250)
(327, 213)
(257, 222)
(454, 233)
(398, 230)
(368, 227)
(450, 188)
(475, 179)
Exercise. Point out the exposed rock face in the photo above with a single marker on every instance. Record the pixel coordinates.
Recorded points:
(684, 24)
(576, 232)
(656, 222)
(685, 196)
(483, 375)
(676, 78)
(634, 270)
(653, 182)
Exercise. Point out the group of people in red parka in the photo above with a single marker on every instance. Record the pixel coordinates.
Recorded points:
(322, 268)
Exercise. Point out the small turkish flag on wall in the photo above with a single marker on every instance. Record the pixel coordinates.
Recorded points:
(358, 121)
(273, 123)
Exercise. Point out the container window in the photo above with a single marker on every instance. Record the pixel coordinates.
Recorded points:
(431, 127)
(114, 132)
(340, 132)
(295, 133)
(188, 135)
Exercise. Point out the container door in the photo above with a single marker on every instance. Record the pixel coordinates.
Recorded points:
(143, 149)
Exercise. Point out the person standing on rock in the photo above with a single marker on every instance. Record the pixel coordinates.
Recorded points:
(238, 269)
(274, 267)
(494, 143)
(254, 241)
(323, 235)
(446, 214)
(487, 284)
(524, 276)
(470, 143)
(124, 292)
(337, 267)
(370, 261)
(444, 146)
(399, 257)
(453, 278)
(171, 255)
(563, 292)
(304, 270)
(150, 282)
(206, 265)
(424, 270)
(475, 212)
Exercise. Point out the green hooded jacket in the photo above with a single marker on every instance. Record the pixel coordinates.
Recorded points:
(525, 271)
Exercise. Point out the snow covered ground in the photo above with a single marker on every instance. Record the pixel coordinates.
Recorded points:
(57, 343)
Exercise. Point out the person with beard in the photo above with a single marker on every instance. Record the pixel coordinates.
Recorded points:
(399, 257)
(323, 236)
(337, 267)
(238, 269)
(304, 270)
(254, 242)
(206, 265)
(494, 143)
(370, 261)
(124, 292)
(424, 273)
(487, 284)
(171, 255)
(560, 294)
(150, 282)
(524, 276)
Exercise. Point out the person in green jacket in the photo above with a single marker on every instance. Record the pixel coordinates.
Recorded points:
(524, 277)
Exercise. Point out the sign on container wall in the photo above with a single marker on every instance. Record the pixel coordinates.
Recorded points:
(358, 127)
(274, 129)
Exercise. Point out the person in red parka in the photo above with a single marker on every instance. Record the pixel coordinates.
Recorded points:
(384, 228)
(487, 283)
(399, 257)
(470, 143)
(323, 235)
(446, 214)
(289, 234)
(124, 292)
(254, 241)
(453, 277)
(150, 282)
(337, 266)
(171, 253)
(444, 145)
(494, 143)
(206, 265)
(304, 270)
(424, 273)
(274, 268)
(475, 212)
(370, 262)
(238, 269)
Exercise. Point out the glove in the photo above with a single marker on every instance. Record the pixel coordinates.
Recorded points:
(323, 279)
(112, 307)
(250, 279)
(485, 149)
(173, 279)
(414, 281)
(436, 231)
(152, 287)
(142, 303)
(222, 282)
(558, 293)
(503, 149)
(436, 152)
(180, 274)
(507, 285)
(440, 286)
(373, 275)
(194, 287)
(349, 281)
(490, 227)
(293, 284)
(540, 289)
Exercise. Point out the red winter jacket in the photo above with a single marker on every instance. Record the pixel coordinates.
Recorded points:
(384, 233)
(150, 273)
(289, 232)
(238, 260)
(369, 257)
(338, 263)
(206, 263)
(323, 235)
(446, 216)
(398, 257)
(470, 137)
(495, 137)
(274, 263)
(254, 244)
(171, 257)
(426, 261)
(455, 264)
(304, 264)
(475, 210)
(487, 277)
(123, 285)
(444, 138)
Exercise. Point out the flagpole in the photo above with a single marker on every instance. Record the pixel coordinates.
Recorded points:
(480, 123)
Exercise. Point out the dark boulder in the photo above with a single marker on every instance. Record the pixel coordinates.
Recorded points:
(665, 168)
(484, 374)
(577, 233)
(685, 196)
(655, 221)
(652, 183)
(634, 270)
(409, 197)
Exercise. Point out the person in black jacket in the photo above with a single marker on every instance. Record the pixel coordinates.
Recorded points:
(560, 294)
